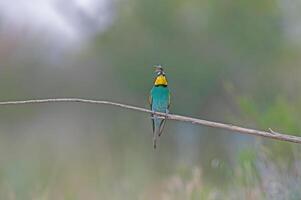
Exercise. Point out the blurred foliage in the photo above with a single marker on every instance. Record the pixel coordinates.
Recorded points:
(230, 61)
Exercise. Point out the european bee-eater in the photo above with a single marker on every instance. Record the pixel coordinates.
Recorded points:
(159, 101)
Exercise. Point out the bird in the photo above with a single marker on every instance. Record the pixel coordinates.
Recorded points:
(159, 100)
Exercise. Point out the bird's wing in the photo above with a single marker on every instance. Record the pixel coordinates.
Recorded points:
(150, 100)
(162, 124)
(168, 100)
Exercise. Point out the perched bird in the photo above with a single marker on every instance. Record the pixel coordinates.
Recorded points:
(159, 101)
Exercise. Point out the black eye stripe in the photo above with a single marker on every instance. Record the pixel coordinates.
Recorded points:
(160, 73)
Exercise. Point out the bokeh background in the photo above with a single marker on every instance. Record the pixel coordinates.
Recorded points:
(231, 61)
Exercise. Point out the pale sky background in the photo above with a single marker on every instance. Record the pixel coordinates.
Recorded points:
(70, 21)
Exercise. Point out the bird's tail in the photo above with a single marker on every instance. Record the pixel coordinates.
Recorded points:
(158, 128)
(155, 136)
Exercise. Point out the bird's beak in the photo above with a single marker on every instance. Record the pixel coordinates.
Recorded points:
(158, 68)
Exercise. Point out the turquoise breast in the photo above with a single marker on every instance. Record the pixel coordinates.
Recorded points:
(160, 98)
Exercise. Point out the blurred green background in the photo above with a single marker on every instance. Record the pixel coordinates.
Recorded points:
(231, 61)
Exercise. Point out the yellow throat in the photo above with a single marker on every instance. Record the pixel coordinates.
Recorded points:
(161, 80)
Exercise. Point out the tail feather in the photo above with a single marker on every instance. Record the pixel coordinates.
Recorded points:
(158, 125)
(155, 140)
(156, 134)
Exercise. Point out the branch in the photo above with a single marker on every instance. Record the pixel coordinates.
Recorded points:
(268, 134)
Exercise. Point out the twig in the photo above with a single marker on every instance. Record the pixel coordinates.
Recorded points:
(271, 134)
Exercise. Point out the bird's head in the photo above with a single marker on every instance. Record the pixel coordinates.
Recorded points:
(160, 78)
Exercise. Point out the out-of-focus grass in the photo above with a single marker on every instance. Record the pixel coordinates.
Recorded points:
(38, 170)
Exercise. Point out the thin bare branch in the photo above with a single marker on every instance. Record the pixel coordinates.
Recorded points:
(236, 129)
